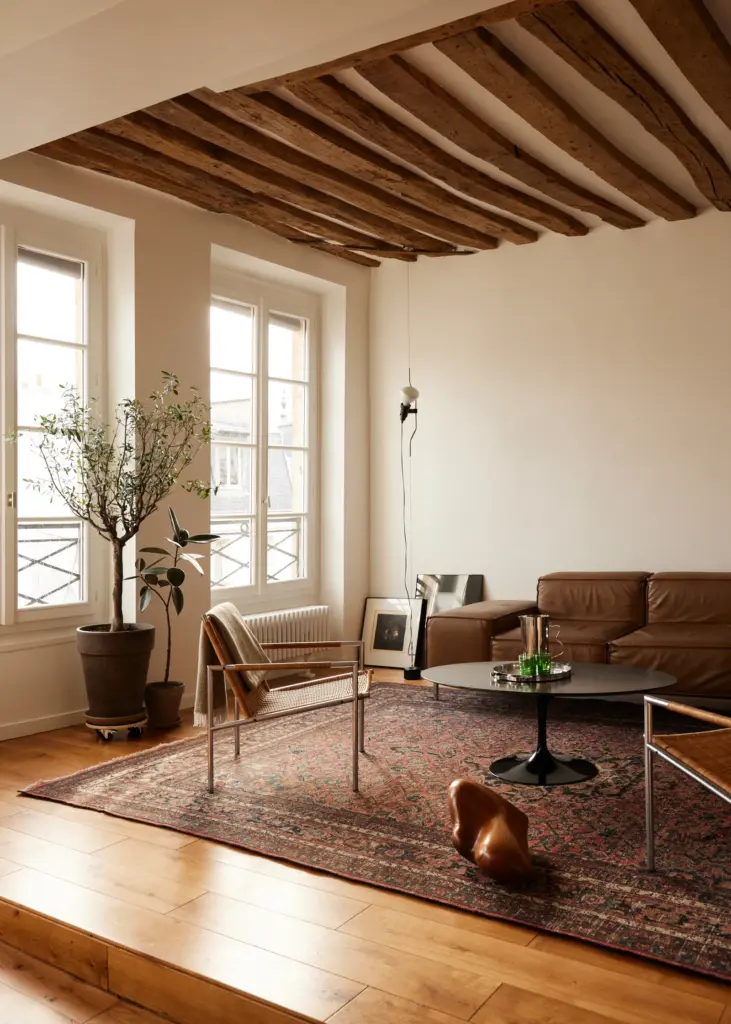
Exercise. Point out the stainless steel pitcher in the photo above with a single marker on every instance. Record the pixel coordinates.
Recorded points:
(534, 633)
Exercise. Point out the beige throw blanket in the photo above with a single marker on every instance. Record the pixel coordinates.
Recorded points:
(243, 647)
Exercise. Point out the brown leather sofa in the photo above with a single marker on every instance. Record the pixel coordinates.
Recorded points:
(676, 622)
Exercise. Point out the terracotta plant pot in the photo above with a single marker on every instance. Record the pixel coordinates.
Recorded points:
(115, 672)
(163, 704)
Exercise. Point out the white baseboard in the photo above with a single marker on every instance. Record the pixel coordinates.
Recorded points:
(31, 726)
(13, 730)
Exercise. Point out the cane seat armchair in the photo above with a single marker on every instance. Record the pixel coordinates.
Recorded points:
(265, 702)
(705, 756)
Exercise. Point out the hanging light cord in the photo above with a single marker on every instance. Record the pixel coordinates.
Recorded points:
(406, 516)
(407, 506)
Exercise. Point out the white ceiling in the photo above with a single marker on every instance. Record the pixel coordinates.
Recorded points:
(68, 64)
(23, 22)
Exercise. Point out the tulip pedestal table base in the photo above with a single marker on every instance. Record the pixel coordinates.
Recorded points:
(542, 768)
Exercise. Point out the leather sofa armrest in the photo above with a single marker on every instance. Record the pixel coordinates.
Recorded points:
(465, 634)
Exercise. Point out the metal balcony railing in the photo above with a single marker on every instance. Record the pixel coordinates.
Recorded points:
(50, 557)
(49, 564)
(232, 555)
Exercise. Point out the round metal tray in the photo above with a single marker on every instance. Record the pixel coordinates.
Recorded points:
(509, 672)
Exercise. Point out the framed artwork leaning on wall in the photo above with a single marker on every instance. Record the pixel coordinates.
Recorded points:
(392, 627)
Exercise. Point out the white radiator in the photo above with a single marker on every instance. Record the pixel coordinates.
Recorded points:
(293, 625)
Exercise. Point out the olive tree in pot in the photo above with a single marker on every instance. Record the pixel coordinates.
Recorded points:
(164, 579)
(113, 477)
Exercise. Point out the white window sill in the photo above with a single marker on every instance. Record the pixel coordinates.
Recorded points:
(13, 639)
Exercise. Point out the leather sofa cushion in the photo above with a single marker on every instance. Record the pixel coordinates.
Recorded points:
(703, 597)
(666, 634)
(582, 641)
(594, 596)
(500, 614)
(465, 634)
(698, 656)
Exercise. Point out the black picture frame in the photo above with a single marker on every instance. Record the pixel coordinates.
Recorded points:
(390, 626)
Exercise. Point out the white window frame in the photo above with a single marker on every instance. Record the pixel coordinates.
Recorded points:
(231, 463)
(24, 228)
(265, 298)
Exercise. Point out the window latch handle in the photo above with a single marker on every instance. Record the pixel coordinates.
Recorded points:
(12, 500)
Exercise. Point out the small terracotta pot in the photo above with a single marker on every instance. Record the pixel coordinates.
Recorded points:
(163, 704)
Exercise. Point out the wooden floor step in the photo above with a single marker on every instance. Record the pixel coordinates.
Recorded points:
(33, 992)
(116, 973)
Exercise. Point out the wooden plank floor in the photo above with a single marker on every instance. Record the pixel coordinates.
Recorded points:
(129, 907)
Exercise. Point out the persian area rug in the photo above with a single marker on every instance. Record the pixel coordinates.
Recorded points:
(289, 797)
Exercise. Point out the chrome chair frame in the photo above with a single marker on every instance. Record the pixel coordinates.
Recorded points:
(651, 748)
(353, 668)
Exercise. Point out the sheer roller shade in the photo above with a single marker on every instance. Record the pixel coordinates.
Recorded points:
(233, 307)
(288, 323)
(57, 264)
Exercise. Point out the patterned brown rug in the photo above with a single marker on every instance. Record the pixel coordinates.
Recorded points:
(289, 797)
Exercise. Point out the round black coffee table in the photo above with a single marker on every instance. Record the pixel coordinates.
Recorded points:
(586, 680)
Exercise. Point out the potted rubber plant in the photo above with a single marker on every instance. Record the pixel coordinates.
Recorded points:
(113, 476)
(163, 578)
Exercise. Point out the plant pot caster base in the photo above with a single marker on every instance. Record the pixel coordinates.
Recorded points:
(106, 730)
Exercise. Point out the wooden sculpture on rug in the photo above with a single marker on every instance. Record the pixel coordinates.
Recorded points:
(489, 831)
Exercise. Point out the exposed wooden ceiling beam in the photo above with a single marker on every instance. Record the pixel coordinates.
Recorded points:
(220, 163)
(207, 123)
(416, 92)
(498, 69)
(333, 99)
(697, 45)
(276, 116)
(503, 12)
(223, 200)
(334, 250)
(574, 35)
(135, 163)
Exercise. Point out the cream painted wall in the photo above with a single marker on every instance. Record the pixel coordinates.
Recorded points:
(159, 261)
(65, 64)
(574, 409)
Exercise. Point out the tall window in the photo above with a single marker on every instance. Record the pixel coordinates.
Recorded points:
(51, 332)
(50, 352)
(233, 449)
(288, 454)
(262, 413)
